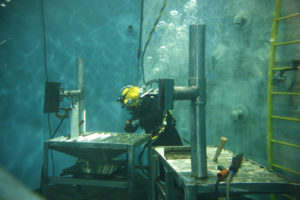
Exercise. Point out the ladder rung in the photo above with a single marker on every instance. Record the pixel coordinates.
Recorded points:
(286, 143)
(284, 68)
(286, 118)
(286, 93)
(286, 43)
(287, 17)
(286, 169)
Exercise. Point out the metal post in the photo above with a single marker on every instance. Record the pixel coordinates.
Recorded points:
(190, 192)
(130, 172)
(150, 169)
(170, 189)
(44, 177)
(197, 108)
(81, 87)
(75, 120)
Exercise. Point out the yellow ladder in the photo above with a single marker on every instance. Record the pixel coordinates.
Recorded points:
(272, 69)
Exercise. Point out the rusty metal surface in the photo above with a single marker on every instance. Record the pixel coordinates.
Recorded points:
(250, 172)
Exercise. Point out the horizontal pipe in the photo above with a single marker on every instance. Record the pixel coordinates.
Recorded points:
(286, 43)
(71, 93)
(285, 68)
(185, 93)
(286, 118)
(286, 93)
(288, 17)
(286, 144)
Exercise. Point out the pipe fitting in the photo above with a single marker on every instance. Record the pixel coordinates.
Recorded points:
(240, 19)
(239, 113)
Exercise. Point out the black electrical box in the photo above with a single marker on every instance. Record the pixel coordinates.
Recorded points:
(51, 101)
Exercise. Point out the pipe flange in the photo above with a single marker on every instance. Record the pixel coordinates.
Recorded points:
(241, 21)
(239, 113)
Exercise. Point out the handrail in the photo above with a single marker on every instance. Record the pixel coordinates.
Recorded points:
(286, 118)
(288, 16)
(284, 68)
(286, 93)
(286, 43)
(286, 143)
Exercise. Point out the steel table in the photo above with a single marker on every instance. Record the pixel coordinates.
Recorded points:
(99, 146)
(252, 178)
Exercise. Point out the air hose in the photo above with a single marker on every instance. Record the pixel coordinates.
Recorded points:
(142, 54)
(221, 176)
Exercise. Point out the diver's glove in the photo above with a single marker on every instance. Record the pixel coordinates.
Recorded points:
(131, 126)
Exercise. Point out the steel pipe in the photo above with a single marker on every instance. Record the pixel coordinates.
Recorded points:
(75, 120)
(185, 93)
(81, 87)
(197, 109)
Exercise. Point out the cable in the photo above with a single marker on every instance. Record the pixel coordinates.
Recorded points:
(46, 77)
(150, 36)
(45, 56)
(58, 126)
(44, 40)
(140, 41)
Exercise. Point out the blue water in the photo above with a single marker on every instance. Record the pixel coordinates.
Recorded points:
(237, 57)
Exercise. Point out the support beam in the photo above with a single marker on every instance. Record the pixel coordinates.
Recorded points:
(81, 87)
(197, 109)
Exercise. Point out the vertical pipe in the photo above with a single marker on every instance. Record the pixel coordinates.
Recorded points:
(75, 120)
(81, 87)
(197, 108)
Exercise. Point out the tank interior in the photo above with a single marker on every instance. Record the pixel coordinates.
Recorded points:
(228, 72)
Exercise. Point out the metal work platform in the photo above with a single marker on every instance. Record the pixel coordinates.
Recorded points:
(99, 147)
(252, 178)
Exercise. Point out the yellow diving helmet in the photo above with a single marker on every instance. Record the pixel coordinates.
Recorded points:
(129, 96)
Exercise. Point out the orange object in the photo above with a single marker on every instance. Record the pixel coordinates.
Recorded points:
(223, 174)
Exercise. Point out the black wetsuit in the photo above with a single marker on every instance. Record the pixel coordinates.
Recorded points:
(150, 119)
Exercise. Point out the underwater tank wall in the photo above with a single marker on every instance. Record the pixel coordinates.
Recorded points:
(237, 56)
(238, 37)
(236, 67)
(96, 31)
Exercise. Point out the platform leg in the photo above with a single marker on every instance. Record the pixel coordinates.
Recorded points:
(190, 192)
(130, 172)
(44, 177)
(150, 170)
(170, 190)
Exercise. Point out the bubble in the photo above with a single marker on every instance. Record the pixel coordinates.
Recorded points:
(174, 12)
(149, 58)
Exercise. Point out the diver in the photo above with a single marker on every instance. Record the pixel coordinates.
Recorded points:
(142, 106)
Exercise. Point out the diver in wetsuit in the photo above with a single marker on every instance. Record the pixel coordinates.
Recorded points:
(146, 114)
